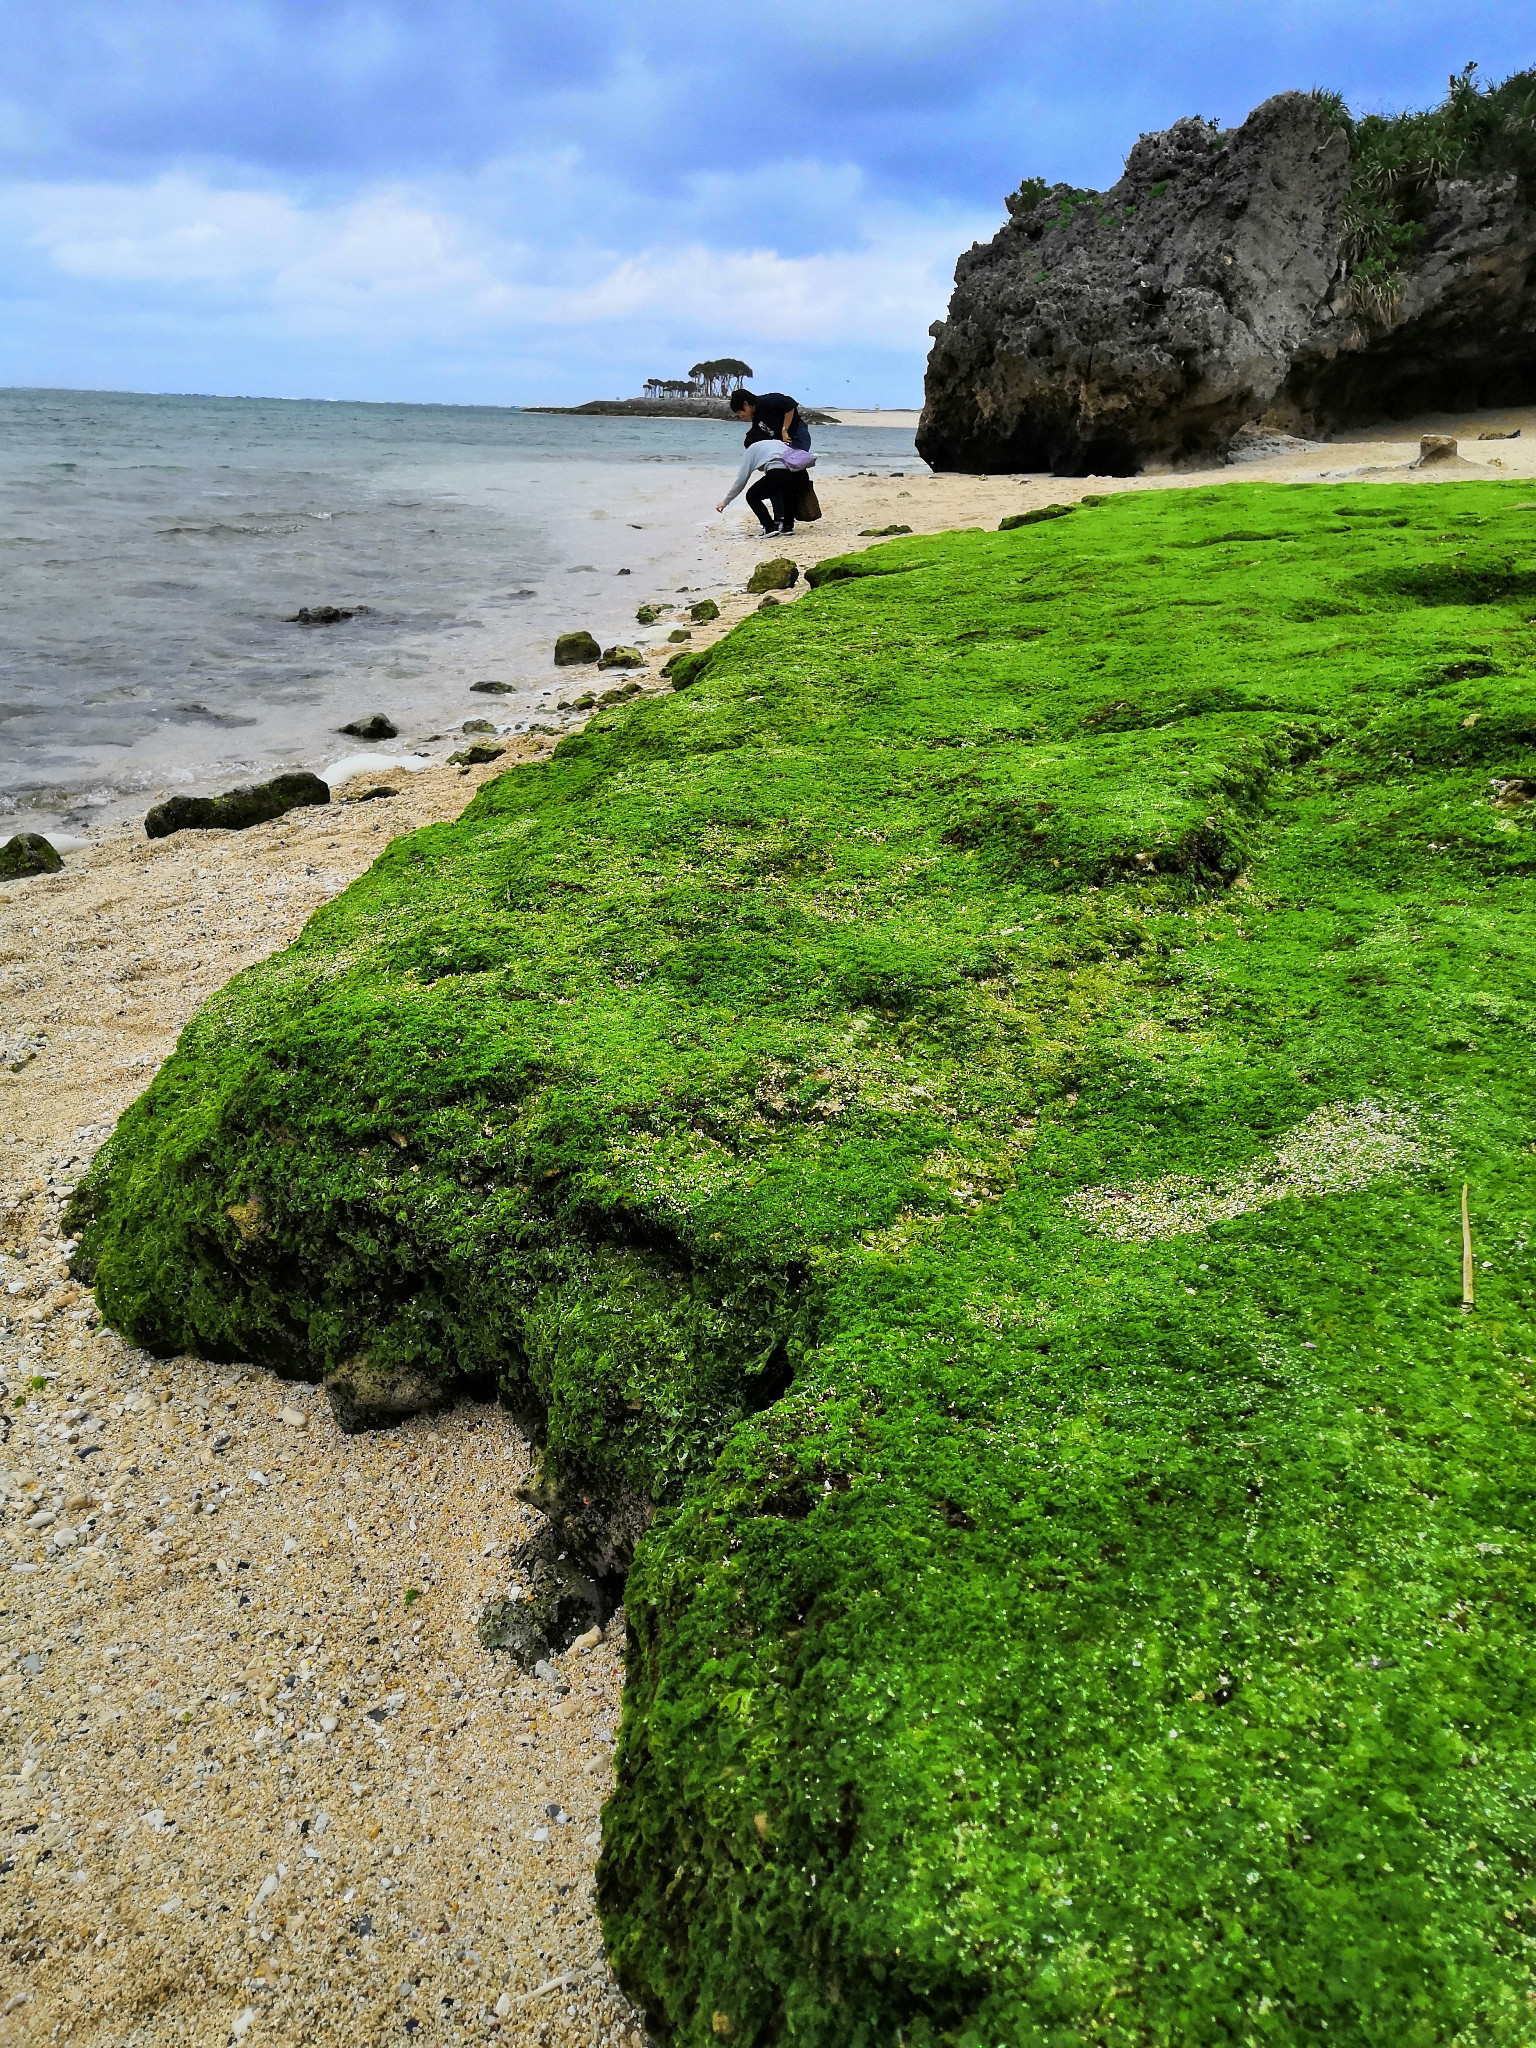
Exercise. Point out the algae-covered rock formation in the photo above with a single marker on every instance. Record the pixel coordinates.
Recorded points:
(237, 809)
(28, 853)
(1303, 270)
(958, 1122)
(573, 649)
(779, 574)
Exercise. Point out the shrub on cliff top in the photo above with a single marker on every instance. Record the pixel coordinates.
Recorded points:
(1396, 159)
(960, 1116)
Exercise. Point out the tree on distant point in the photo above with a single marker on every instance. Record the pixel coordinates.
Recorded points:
(715, 377)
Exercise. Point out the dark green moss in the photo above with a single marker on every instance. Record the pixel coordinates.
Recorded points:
(1013, 520)
(28, 853)
(1059, 1625)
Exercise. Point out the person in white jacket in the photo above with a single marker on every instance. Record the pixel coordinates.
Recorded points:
(775, 491)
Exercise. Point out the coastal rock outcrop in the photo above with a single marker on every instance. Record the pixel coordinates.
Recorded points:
(1220, 285)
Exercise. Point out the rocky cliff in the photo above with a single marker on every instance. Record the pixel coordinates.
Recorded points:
(1218, 286)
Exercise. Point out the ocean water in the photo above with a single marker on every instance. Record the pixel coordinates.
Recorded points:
(153, 551)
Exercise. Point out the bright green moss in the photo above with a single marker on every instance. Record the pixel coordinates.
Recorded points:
(1043, 992)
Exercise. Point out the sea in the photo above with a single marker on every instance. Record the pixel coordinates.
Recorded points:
(155, 553)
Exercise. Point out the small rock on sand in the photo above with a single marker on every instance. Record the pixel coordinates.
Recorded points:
(572, 649)
(28, 854)
(237, 809)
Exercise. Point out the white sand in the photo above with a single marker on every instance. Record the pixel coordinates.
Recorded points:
(872, 417)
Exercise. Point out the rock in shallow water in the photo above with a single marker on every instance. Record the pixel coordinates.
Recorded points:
(236, 809)
(324, 614)
(374, 727)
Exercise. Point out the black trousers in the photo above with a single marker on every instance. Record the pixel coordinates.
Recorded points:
(774, 496)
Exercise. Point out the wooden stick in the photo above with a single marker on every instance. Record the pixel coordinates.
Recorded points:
(1466, 1252)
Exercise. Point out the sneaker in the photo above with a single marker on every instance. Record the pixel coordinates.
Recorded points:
(788, 526)
(768, 532)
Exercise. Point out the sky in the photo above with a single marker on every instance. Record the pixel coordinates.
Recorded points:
(549, 201)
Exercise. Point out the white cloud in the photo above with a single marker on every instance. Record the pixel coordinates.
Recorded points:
(510, 251)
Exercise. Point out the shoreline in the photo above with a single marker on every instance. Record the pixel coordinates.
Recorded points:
(178, 1620)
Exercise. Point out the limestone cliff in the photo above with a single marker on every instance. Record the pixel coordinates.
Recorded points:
(1212, 289)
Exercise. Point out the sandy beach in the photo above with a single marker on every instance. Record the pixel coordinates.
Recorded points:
(258, 1779)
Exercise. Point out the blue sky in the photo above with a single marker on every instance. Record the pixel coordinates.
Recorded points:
(495, 203)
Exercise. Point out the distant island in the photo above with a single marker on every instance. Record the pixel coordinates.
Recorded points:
(701, 395)
(672, 408)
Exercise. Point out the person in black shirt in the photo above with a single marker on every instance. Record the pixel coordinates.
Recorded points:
(773, 417)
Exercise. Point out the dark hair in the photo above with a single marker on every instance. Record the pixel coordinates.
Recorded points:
(742, 401)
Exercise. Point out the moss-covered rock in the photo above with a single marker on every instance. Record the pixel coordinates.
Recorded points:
(956, 1126)
(1038, 517)
(572, 649)
(237, 809)
(477, 754)
(622, 657)
(780, 574)
(702, 612)
(28, 853)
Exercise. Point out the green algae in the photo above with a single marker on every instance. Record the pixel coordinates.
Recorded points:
(963, 1113)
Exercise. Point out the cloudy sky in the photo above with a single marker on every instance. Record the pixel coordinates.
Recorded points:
(482, 201)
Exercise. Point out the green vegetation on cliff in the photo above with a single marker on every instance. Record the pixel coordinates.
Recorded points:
(1396, 161)
(963, 1113)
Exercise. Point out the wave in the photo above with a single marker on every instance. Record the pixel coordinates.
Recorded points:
(256, 529)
